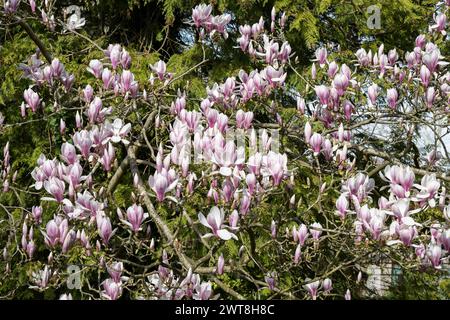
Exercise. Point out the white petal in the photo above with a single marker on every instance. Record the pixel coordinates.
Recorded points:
(203, 221)
(214, 215)
(208, 235)
(392, 242)
(48, 199)
(226, 235)
(409, 221)
(116, 139)
(225, 171)
(172, 185)
(172, 199)
(125, 129)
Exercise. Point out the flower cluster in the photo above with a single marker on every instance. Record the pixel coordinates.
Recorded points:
(202, 18)
(392, 220)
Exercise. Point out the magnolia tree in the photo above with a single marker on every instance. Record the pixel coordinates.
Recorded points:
(239, 195)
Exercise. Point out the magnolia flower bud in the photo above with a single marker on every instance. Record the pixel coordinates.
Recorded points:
(348, 295)
(327, 285)
(220, 265)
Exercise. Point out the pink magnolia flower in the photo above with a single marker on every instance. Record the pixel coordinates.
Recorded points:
(434, 156)
(274, 165)
(111, 289)
(32, 99)
(425, 75)
(428, 187)
(66, 296)
(374, 222)
(342, 205)
(119, 131)
(84, 239)
(190, 118)
(107, 158)
(348, 295)
(392, 97)
(312, 288)
(78, 120)
(245, 203)
(82, 140)
(220, 265)
(301, 105)
(297, 254)
(273, 76)
(218, 24)
(56, 188)
(332, 69)
(271, 281)
(308, 132)
(327, 149)
(401, 208)
(340, 82)
(86, 205)
(228, 156)
(107, 78)
(430, 95)
(373, 93)
(315, 230)
(327, 285)
(163, 182)
(301, 234)
(411, 59)
(11, 6)
(125, 59)
(135, 217)
(73, 176)
(88, 93)
(211, 117)
(203, 291)
(68, 241)
(323, 93)
(316, 143)
(104, 228)
(431, 59)
(160, 69)
(392, 56)
(406, 234)
(251, 183)
(96, 68)
(434, 253)
(321, 56)
(214, 221)
(36, 213)
(401, 179)
(244, 119)
(114, 55)
(421, 41)
(441, 22)
(273, 229)
(68, 153)
(127, 81)
(364, 58)
(201, 14)
(42, 277)
(57, 68)
(115, 271)
(94, 109)
(56, 231)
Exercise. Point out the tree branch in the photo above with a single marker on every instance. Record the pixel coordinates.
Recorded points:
(35, 39)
